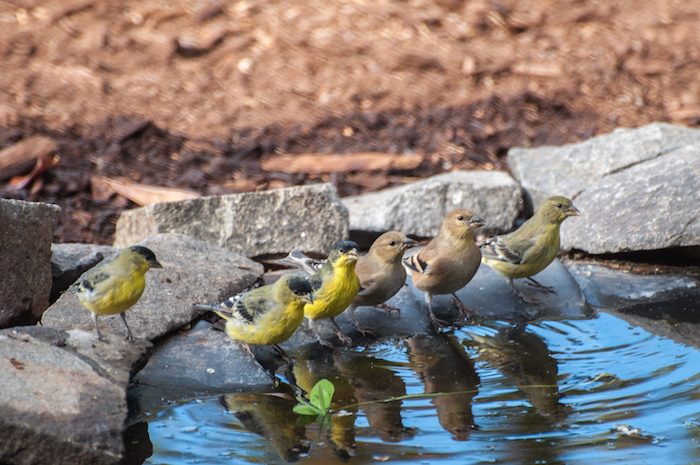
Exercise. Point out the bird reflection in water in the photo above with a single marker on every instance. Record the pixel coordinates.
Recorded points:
(270, 415)
(373, 380)
(443, 365)
(314, 363)
(524, 357)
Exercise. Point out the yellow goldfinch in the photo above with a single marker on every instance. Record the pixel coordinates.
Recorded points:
(449, 261)
(380, 271)
(116, 284)
(335, 286)
(267, 315)
(532, 247)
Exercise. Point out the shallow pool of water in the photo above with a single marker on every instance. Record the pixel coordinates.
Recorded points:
(571, 392)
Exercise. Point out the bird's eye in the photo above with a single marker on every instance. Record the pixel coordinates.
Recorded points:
(559, 205)
(460, 218)
(392, 243)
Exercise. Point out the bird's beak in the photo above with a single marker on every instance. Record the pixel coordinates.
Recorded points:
(408, 243)
(476, 221)
(155, 264)
(352, 254)
(310, 298)
(572, 211)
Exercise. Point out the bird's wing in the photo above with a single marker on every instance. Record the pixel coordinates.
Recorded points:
(244, 307)
(298, 259)
(100, 276)
(499, 248)
(417, 263)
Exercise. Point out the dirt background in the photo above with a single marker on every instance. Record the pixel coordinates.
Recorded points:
(198, 94)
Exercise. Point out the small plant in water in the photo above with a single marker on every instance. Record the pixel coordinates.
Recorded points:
(319, 402)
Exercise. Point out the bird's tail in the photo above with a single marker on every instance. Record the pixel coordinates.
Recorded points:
(215, 308)
(298, 259)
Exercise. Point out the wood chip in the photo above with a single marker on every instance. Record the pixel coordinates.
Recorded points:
(140, 194)
(312, 163)
(542, 69)
(23, 153)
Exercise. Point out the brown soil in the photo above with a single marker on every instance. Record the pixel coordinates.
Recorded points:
(195, 94)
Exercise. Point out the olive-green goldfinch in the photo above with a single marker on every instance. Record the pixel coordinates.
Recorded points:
(116, 284)
(532, 247)
(449, 261)
(380, 271)
(335, 286)
(267, 315)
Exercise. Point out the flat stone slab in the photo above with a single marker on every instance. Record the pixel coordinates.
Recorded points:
(649, 206)
(418, 208)
(570, 169)
(203, 360)
(490, 297)
(56, 407)
(193, 272)
(309, 218)
(26, 233)
(664, 304)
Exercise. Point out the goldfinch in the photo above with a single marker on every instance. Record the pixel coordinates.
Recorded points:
(116, 284)
(532, 247)
(267, 315)
(335, 286)
(449, 261)
(380, 271)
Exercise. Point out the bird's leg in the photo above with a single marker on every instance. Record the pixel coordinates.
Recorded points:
(532, 282)
(323, 342)
(466, 313)
(343, 337)
(283, 355)
(437, 322)
(390, 309)
(247, 348)
(351, 316)
(129, 336)
(97, 330)
(525, 298)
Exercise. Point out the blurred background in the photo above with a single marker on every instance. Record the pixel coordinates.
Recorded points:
(105, 103)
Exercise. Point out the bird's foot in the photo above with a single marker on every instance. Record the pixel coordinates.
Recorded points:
(439, 323)
(466, 313)
(344, 338)
(390, 309)
(362, 330)
(283, 355)
(538, 285)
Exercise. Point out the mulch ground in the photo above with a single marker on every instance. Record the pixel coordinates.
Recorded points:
(199, 95)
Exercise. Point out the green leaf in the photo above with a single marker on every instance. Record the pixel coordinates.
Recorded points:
(322, 395)
(307, 409)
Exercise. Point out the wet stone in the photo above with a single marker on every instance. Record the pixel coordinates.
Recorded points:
(193, 272)
(490, 296)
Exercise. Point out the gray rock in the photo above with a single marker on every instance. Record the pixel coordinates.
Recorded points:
(418, 208)
(652, 205)
(26, 232)
(310, 218)
(69, 261)
(193, 272)
(203, 360)
(490, 296)
(571, 169)
(665, 304)
(56, 406)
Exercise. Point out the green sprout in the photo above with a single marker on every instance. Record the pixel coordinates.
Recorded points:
(319, 402)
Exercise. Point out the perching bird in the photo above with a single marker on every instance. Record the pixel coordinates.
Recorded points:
(380, 271)
(335, 286)
(267, 315)
(449, 261)
(116, 284)
(532, 247)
